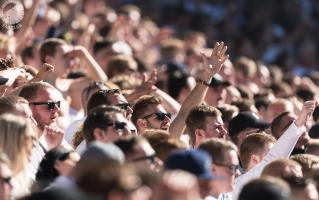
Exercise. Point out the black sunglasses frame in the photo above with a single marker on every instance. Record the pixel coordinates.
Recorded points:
(110, 91)
(159, 115)
(151, 158)
(6, 180)
(118, 125)
(123, 106)
(50, 105)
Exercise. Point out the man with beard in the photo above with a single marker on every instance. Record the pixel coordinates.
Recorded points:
(44, 101)
(149, 113)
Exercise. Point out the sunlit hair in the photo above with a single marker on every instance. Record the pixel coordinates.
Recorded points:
(13, 140)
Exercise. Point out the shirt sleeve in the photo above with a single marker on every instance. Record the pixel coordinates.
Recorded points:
(281, 149)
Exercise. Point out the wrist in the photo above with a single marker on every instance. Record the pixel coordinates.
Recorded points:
(299, 122)
(202, 82)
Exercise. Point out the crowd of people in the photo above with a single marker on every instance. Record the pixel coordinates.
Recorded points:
(159, 100)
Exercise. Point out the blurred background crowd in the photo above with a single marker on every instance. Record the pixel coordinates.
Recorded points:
(159, 99)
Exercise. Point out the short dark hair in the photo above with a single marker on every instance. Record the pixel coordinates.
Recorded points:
(265, 189)
(27, 53)
(275, 124)
(141, 106)
(31, 90)
(49, 47)
(196, 119)
(305, 94)
(47, 171)
(99, 117)
(127, 145)
(100, 98)
(100, 45)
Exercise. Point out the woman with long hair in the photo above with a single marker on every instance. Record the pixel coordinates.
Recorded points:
(17, 138)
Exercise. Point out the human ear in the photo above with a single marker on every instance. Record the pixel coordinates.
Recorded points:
(98, 134)
(141, 123)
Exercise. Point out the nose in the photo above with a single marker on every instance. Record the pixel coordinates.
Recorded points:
(166, 119)
(129, 111)
(55, 109)
(237, 173)
(223, 132)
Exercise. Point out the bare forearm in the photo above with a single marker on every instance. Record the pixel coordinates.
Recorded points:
(95, 72)
(27, 21)
(196, 97)
(170, 104)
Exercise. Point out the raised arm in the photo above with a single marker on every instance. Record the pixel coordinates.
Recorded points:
(26, 23)
(93, 69)
(281, 149)
(211, 65)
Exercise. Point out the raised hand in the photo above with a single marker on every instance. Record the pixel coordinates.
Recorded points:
(43, 72)
(306, 111)
(214, 62)
(148, 83)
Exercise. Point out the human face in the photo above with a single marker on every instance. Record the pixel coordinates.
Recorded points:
(60, 61)
(5, 183)
(229, 170)
(117, 129)
(145, 155)
(157, 117)
(44, 114)
(215, 128)
(259, 156)
(117, 99)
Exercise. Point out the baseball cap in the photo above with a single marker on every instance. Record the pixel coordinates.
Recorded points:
(245, 120)
(217, 80)
(195, 161)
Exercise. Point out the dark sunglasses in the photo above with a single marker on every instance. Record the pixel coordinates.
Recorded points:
(50, 105)
(123, 106)
(109, 91)
(6, 180)
(118, 125)
(151, 158)
(160, 116)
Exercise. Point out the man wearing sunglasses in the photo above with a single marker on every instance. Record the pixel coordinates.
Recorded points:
(105, 124)
(225, 164)
(149, 113)
(45, 101)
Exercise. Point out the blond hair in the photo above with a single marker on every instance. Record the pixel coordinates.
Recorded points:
(13, 133)
(217, 147)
